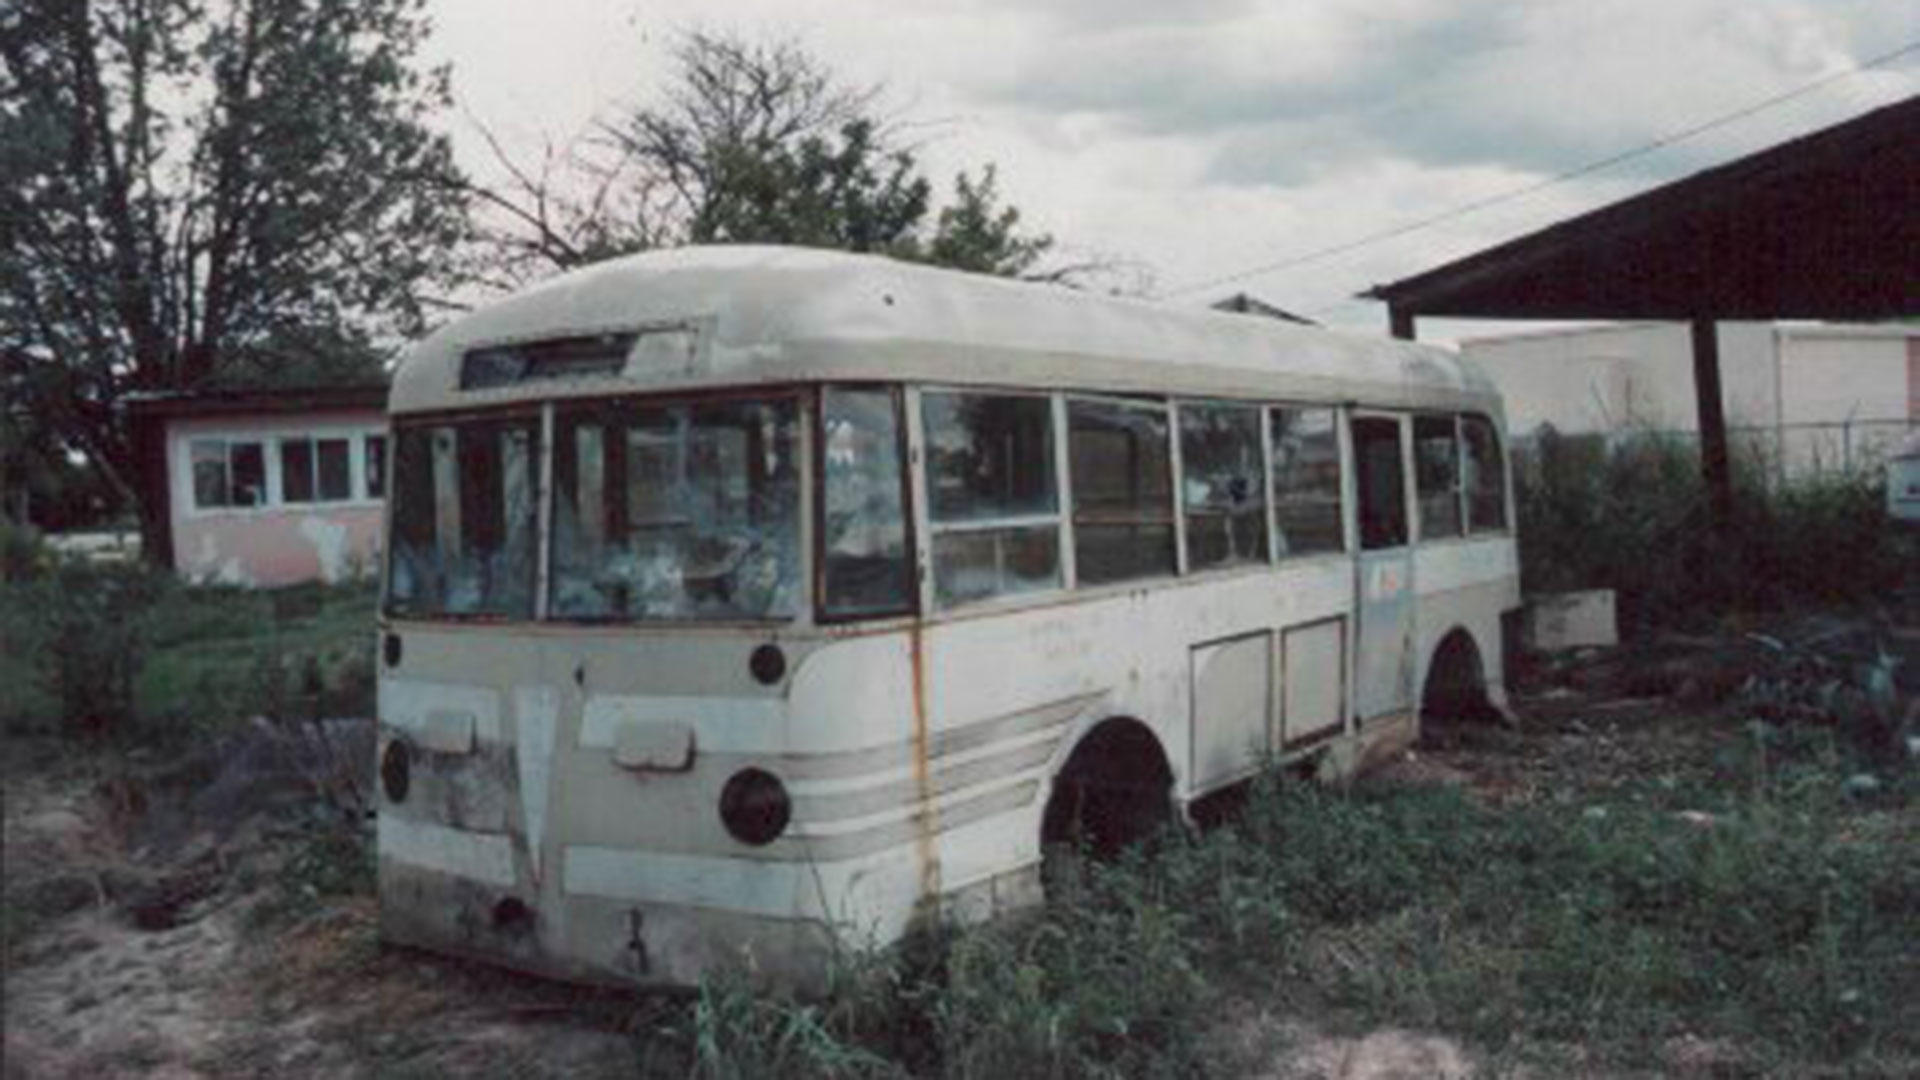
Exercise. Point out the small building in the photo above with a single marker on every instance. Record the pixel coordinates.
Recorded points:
(267, 487)
(1808, 396)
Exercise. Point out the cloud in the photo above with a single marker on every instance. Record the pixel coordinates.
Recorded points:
(1254, 62)
(1202, 138)
(1294, 92)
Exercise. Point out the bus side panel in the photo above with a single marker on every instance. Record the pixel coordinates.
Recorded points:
(1467, 585)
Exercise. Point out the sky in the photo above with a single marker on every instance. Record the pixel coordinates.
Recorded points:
(1191, 141)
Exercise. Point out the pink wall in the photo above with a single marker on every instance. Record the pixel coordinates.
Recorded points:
(278, 543)
(280, 547)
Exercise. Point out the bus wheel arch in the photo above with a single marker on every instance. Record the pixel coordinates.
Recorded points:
(1115, 788)
(1456, 682)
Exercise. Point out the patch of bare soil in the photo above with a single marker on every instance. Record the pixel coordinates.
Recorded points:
(1663, 706)
(150, 934)
(1285, 1047)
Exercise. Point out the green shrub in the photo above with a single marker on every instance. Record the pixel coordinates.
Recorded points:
(1631, 515)
(76, 642)
(128, 650)
(24, 554)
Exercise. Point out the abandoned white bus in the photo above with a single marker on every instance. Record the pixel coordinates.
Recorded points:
(743, 601)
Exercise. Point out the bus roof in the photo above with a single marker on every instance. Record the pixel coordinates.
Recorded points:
(741, 316)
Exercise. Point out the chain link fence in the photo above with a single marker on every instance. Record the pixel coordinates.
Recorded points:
(1782, 453)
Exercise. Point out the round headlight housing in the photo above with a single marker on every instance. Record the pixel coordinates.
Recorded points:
(754, 807)
(396, 770)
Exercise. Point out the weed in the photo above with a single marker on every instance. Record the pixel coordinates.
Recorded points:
(1613, 923)
(329, 859)
(1630, 515)
(129, 651)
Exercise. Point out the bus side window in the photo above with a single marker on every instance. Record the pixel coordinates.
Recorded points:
(1436, 473)
(1383, 499)
(1223, 485)
(863, 563)
(1486, 476)
(1122, 468)
(1306, 481)
(991, 498)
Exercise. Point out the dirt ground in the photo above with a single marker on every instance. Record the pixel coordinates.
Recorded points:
(143, 943)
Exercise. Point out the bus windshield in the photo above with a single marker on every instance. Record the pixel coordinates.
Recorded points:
(676, 511)
(465, 519)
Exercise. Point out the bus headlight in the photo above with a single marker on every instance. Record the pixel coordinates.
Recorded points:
(396, 770)
(754, 806)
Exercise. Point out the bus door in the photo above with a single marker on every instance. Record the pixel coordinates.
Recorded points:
(1383, 663)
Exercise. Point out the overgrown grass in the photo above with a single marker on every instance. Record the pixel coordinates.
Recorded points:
(1786, 923)
(131, 651)
(1632, 517)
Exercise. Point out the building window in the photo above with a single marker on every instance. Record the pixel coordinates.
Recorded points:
(375, 463)
(1122, 470)
(315, 470)
(228, 473)
(992, 499)
(1486, 476)
(1436, 474)
(1223, 485)
(864, 566)
(1306, 481)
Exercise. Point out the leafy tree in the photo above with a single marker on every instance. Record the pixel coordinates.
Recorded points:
(750, 143)
(198, 192)
(976, 233)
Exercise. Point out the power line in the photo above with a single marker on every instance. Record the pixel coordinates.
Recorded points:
(1478, 205)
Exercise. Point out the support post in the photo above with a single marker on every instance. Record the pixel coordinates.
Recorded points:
(1400, 322)
(1714, 467)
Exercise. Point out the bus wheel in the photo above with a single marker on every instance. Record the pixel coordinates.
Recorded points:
(1116, 789)
(1456, 687)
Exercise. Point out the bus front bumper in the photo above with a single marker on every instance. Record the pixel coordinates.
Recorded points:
(593, 940)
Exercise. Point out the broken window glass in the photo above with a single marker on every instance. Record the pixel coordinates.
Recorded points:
(1436, 473)
(991, 495)
(1223, 485)
(980, 563)
(864, 564)
(676, 511)
(1486, 476)
(464, 519)
(1306, 481)
(988, 455)
(1121, 465)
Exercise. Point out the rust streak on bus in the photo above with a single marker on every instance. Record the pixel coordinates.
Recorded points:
(925, 826)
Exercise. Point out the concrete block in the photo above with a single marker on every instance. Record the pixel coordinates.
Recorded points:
(1903, 482)
(1575, 620)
